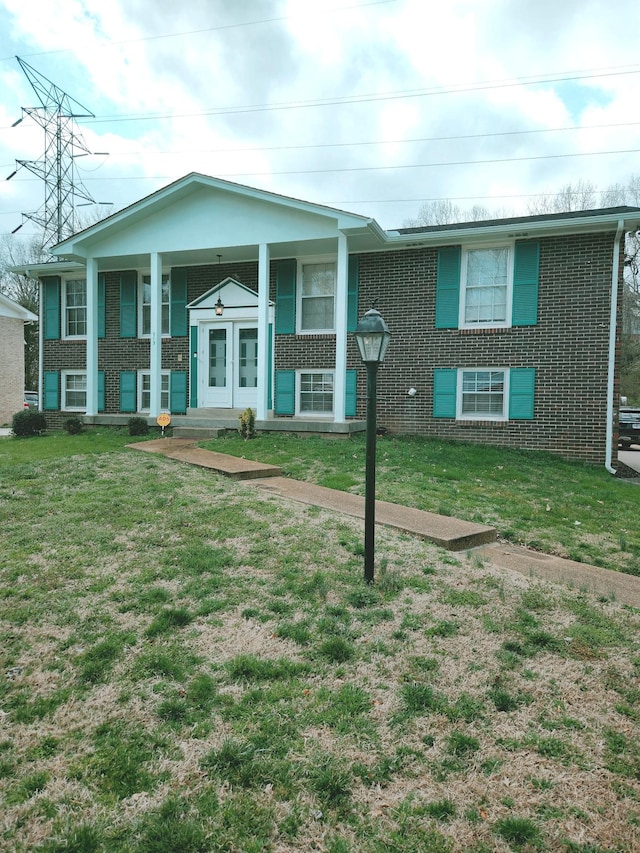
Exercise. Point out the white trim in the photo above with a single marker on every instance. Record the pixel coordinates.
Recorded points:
(315, 414)
(611, 368)
(92, 336)
(482, 416)
(340, 312)
(64, 374)
(64, 336)
(301, 263)
(139, 390)
(491, 324)
(262, 391)
(142, 274)
(155, 343)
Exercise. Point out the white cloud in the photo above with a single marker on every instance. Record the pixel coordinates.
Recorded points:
(250, 88)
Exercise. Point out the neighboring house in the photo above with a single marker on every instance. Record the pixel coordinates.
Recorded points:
(12, 320)
(207, 297)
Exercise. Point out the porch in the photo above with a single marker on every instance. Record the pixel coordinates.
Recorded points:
(208, 423)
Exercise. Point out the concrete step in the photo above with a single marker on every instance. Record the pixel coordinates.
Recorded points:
(198, 433)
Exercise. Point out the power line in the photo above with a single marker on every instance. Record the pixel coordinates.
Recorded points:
(363, 143)
(202, 30)
(370, 97)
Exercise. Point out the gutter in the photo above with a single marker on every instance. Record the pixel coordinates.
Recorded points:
(615, 271)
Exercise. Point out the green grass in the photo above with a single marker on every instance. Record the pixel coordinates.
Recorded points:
(188, 663)
(535, 499)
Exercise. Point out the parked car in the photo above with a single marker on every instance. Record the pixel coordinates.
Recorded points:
(31, 400)
(629, 427)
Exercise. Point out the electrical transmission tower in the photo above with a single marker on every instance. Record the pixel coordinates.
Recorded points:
(57, 167)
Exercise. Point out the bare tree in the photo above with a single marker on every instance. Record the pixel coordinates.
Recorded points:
(444, 212)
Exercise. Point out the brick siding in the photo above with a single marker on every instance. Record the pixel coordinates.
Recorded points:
(568, 347)
(11, 367)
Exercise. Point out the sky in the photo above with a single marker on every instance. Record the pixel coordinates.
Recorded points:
(371, 106)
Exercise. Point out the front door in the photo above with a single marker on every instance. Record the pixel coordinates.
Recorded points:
(228, 356)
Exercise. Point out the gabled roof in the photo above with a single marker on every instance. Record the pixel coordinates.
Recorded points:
(184, 186)
(241, 293)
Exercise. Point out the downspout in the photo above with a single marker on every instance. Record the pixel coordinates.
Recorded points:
(615, 272)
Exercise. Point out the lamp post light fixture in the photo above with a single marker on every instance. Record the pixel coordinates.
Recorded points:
(372, 336)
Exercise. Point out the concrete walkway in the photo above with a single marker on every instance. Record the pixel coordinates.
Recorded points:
(450, 533)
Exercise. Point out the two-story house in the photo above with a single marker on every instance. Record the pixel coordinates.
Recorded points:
(207, 297)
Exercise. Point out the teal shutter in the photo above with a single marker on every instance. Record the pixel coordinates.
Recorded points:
(444, 393)
(128, 304)
(101, 405)
(178, 392)
(352, 293)
(51, 307)
(193, 396)
(285, 392)
(522, 382)
(525, 283)
(286, 272)
(51, 402)
(178, 310)
(350, 393)
(128, 391)
(448, 288)
(102, 305)
(270, 368)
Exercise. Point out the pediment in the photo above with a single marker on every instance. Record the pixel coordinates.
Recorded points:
(232, 293)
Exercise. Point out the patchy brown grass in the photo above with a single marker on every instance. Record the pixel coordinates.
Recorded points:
(188, 664)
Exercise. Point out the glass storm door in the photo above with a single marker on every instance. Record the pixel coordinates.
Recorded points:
(215, 361)
(246, 379)
(228, 365)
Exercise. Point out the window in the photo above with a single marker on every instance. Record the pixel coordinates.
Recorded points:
(144, 386)
(317, 292)
(74, 391)
(75, 308)
(482, 394)
(486, 281)
(145, 305)
(315, 393)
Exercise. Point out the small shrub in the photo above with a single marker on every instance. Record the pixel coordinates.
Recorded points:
(247, 425)
(138, 426)
(73, 425)
(28, 422)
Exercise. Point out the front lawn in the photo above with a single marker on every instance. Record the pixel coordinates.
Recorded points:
(570, 509)
(190, 664)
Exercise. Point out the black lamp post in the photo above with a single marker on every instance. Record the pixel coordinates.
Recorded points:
(373, 336)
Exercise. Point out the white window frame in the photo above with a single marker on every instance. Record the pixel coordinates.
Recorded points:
(302, 262)
(64, 376)
(164, 374)
(65, 308)
(488, 324)
(482, 416)
(166, 278)
(308, 413)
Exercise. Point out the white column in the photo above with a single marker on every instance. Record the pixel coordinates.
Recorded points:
(340, 379)
(155, 355)
(92, 336)
(263, 332)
